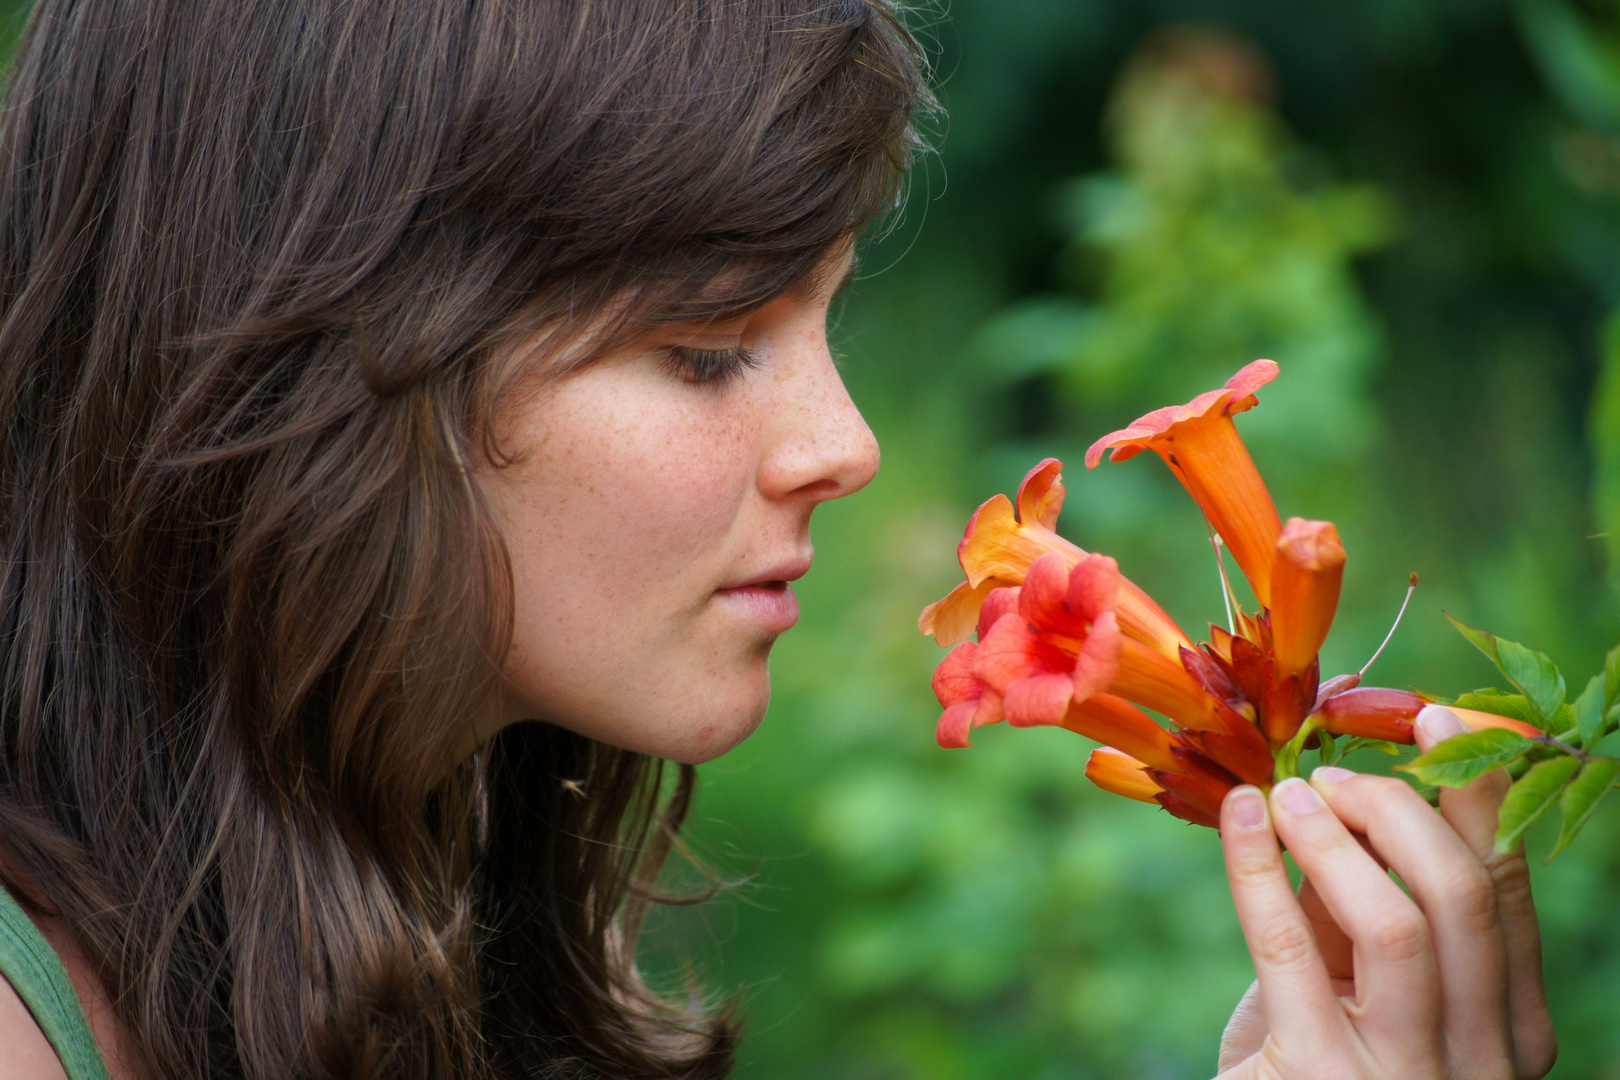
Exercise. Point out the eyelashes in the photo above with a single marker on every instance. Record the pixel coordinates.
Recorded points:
(703, 367)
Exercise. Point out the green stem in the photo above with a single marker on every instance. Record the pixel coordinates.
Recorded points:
(1286, 756)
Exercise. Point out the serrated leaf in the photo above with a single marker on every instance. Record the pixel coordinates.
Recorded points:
(1530, 797)
(1588, 712)
(1516, 706)
(1535, 675)
(1483, 640)
(1462, 758)
(1581, 798)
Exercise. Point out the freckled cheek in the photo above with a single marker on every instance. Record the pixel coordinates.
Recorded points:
(638, 513)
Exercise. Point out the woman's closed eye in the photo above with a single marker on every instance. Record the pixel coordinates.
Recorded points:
(708, 366)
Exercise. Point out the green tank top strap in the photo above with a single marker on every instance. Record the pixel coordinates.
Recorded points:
(30, 965)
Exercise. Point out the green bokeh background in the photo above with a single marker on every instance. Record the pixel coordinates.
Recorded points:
(1413, 206)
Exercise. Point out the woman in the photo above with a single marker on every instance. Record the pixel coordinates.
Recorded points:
(412, 416)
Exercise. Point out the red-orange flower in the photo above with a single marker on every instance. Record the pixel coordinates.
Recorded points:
(1200, 443)
(1064, 639)
(1001, 544)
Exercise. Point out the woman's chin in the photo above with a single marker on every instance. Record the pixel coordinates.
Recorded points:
(713, 736)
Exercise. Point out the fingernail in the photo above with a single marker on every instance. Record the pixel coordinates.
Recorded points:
(1248, 807)
(1298, 797)
(1330, 774)
(1439, 722)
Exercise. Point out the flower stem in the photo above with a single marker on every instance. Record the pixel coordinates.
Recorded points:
(1286, 756)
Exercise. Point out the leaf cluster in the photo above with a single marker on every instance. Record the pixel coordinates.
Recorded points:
(1558, 766)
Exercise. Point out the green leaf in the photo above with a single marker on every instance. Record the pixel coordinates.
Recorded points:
(1611, 678)
(1462, 758)
(1361, 742)
(1327, 751)
(1483, 640)
(1582, 797)
(1589, 712)
(1516, 706)
(1535, 674)
(1530, 797)
(1530, 672)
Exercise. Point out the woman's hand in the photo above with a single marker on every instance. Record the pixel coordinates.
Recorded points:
(1356, 979)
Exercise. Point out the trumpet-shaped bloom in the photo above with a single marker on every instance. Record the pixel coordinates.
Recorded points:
(1201, 445)
(1305, 575)
(1121, 774)
(1001, 543)
(1479, 721)
(1064, 639)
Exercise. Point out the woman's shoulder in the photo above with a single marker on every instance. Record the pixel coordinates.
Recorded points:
(48, 985)
(27, 1053)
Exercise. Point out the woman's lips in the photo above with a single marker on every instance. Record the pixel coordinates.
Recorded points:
(772, 604)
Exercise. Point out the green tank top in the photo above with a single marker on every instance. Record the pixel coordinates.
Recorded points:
(29, 964)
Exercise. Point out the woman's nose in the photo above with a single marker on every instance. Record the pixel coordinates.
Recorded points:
(821, 447)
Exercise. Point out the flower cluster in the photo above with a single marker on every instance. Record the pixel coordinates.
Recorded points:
(1064, 639)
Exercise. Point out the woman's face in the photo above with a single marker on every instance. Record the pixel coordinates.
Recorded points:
(658, 507)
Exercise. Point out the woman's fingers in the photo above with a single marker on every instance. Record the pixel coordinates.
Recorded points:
(1472, 811)
(1458, 901)
(1332, 942)
(1246, 1032)
(1301, 1010)
(1397, 976)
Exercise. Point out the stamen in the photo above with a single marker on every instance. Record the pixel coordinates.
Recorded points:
(1411, 586)
(1227, 596)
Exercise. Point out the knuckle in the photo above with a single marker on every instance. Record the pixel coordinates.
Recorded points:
(1253, 869)
(1286, 943)
(1469, 896)
(1510, 880)
(1401, 935)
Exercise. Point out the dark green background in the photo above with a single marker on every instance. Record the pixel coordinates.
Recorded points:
(1418, 223)
(1414, 207)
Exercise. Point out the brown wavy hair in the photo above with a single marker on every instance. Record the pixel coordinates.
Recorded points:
(260, 261)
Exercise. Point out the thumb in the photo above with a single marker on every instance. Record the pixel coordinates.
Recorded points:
(1246, 1032)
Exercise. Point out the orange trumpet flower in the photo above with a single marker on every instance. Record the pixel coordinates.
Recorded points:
(1001, 544)
(1062, 638)
(1201, 445)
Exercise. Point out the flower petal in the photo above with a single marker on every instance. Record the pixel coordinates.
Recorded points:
(1305, 577)
(1097, 666)
(1093, 586)
(951, 619)
(1121, 774)
(1011, 651)
(1372, 712)
(995, 544)
(1202, 447)
(954, 680)
(1043, 599)
(1001, 601)
(1154, 681)
(955, 724)
(1040, 496)
(1038, 699)
(1479, 721)
(1115, 722)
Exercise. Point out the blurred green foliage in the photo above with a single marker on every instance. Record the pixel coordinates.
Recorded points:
(1411, 206)
(1414, 207)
